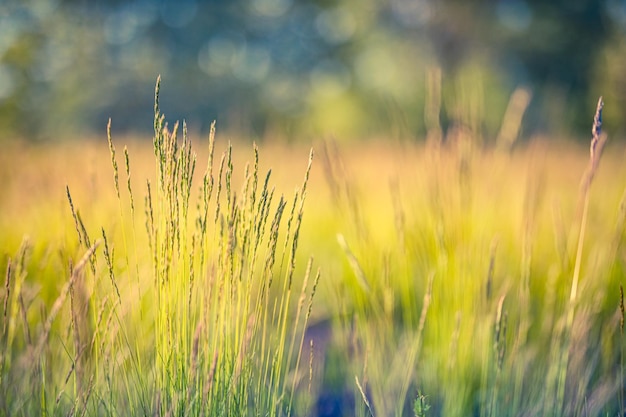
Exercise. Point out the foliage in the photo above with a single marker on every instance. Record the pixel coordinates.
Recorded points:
(266, 67)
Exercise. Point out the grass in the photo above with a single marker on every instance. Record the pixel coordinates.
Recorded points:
(453, 279)
(197, 315)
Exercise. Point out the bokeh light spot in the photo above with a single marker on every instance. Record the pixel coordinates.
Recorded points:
(120, 27)
(376, 68)
(216, 56)
(52, 60)
(336, 25)
(514, 14)
(284, 94)
(329, 79)
(251, 63)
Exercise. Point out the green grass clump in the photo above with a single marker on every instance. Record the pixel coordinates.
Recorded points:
(230, 345)
(198, 313)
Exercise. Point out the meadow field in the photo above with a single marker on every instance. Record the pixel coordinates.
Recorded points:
(384, 278)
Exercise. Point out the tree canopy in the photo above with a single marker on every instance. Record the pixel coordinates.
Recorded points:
(351, 69)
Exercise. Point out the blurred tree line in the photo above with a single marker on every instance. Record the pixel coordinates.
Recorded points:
(287, 68)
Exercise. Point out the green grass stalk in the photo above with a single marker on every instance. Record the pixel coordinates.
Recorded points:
(598, 141)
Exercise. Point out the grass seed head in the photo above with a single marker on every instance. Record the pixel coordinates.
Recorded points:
(621, 308)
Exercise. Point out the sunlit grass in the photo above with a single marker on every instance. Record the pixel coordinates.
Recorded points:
(446, 289)
(194, 304)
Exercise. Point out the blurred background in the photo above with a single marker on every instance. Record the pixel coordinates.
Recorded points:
(303, 69)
